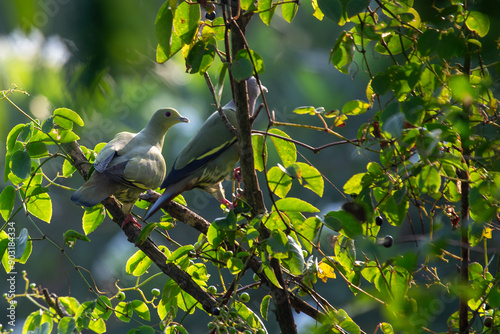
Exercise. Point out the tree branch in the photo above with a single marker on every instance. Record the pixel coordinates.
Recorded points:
(149, 248)
(254, 195)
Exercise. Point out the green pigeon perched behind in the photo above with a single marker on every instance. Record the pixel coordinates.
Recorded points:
(129, 164)
(209, 157)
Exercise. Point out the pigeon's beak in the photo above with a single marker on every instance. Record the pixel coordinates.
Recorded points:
(183, 119)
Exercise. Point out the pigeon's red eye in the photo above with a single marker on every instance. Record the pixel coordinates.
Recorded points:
(168, 114)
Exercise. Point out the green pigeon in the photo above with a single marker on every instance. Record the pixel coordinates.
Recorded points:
(209, 157)
(129, 164)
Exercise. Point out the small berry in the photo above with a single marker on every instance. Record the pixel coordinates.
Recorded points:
(33, 286)
(379, 220)
(302, 293)
(245, 297)
(211, 325)
(120, 296)
(488, 321)
(212, 289)
(155, 292)
(215, 311)
(388, 241)
(256, 277)
(210, 16)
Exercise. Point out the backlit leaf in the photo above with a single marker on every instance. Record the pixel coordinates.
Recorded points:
(40, 206)
(286, 149)
(93, 217)
(7, 201)
(295, 205)
(478, 22)
(138, 264)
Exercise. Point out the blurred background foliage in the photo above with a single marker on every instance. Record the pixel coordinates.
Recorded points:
(97, 58)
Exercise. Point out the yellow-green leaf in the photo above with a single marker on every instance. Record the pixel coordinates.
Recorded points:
(7, 201)
(295, 205)
(40, 206)
(266, 10)
(138, 264)
(478, 22)
(312, 178)
(92, 218)
(259, 151)
(69, 115)
(286, 149)
(289, 10)
(279, 182)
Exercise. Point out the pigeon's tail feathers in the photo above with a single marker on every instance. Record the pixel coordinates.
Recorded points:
(95, 190)
(166, 197)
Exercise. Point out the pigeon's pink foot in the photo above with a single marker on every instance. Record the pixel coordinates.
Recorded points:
(237, 174)
(131, 219)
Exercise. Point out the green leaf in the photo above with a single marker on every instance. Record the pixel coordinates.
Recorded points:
(40, 206)
(317, 11)
(306, 110)
(26, 132)
(286, 149)
(289, 10)
(242, 69)
(353, 186)
(7, 201)
(429, 180)
(397, 207)
(264, 306)
(37, 150)
(278, 243)
(307, 231)
(66, 136)
(355, 107)
(295, 262)
(150, 330)
(93, 217)
(332, 9)
(279, 182)
(234, 265)
(461, 88)
(141, 309)
(186, 19)
(21, 164)
(12, 136)
(266, 11)
(70, 237)
(259, 151)
(271, 276)
(69, 115)
(124, 311)
(478, 22)
(48, 125)
(66, 325)
(145, 233)
(342, 54)
(68, 169)
(138, 264)
(164, 33)
(201, 56)
(351, 227)
(252, 55)
(312, 178)
(103, 308)
(294, 205)
(180, 252)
